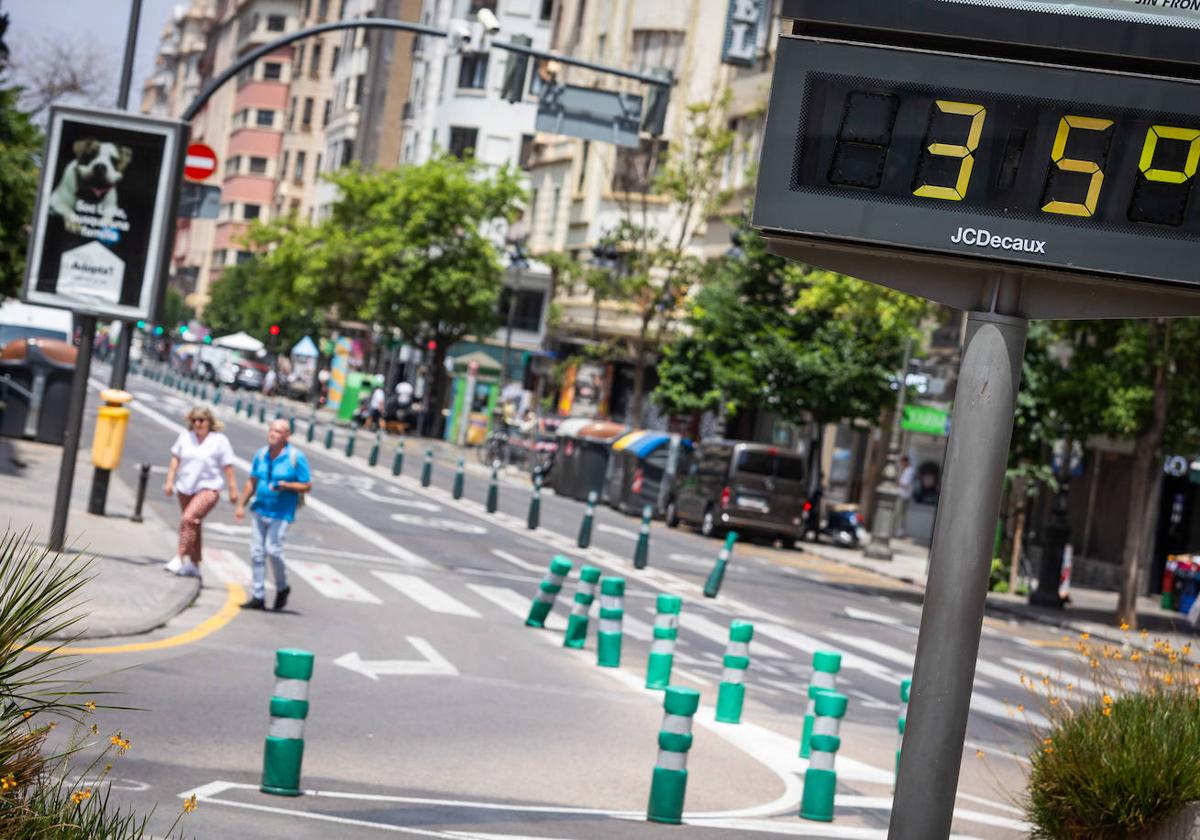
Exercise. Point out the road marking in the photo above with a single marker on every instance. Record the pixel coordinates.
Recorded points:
(613, 529)
(428, 507)
(330, 582)
(432, 663)
(689, 622)
(230, 530)
(808, 644)
(437, 523)
(515, 603)
(517, 561)
(877, 618)
(210, 625)
(690, 675)
(426, 594)
(227, 566)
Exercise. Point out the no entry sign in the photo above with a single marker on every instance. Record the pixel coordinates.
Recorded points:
(200, 163)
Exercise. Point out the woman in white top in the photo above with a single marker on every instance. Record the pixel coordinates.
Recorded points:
(198, 459)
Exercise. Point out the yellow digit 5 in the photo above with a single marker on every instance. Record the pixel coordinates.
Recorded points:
(1075, 208)
(966, 151)
(1167, 132)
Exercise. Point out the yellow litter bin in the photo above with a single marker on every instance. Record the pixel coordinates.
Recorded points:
(111, 423)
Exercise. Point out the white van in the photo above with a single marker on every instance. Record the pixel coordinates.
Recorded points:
(23, 320)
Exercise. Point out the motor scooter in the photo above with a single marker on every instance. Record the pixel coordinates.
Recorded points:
(842, 523)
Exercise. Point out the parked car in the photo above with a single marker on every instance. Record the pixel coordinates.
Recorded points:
(250, 374)
(746, 487)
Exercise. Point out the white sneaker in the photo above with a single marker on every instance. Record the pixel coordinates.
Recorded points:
(173, 565)
(188, 569)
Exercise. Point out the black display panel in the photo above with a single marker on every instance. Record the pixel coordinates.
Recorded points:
(1068, 168)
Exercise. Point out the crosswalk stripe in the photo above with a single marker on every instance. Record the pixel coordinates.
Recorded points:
(330, 582)
(635, 629)
(426, 594)
(227, 565)
(808, 644)
(691, 623)
(517, 561)
(514, 603)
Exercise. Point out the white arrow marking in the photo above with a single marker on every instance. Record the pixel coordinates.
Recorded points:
(433, 663)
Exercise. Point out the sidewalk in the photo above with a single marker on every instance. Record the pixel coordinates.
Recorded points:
(1090, 611)
(128, 593)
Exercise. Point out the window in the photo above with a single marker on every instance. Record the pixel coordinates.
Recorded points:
(265, 118)
(283, 167)
(583, 164)
(258, 165)
(292, 114)
(234, 166)
(298, 175)
(245, 76)
(276, 23)
(347, 152)
(325, 116)
(244, 256)
(322, 9)
(250, 212)
(472, 70)
(526, 154)
(306, 121)
(337, 54)
(462, 141)
(635, 168)
(654, 48)
(299, 59)
(547, 10)
(272, 71)
(527, 312)
(314, 61)
(359, 81)
(219, 256)
(317, 166)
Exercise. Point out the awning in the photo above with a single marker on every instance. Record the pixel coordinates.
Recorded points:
(306, 348)
(571, 426)
(629, 440)
(602, 430)
(239, 341)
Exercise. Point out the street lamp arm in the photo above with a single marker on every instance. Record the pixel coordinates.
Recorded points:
(403, 26)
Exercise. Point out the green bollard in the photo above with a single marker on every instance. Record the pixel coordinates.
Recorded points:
(585, 527)
(577, 622)
(548, 590)
(712, 586)
(457, 492)
(329, 438)
(905, 689)
(262, 412)
(427, 469)
(250, 408)
(373, 457)
(612, 613)
(204, 393)
(312, 430)
(237, 406)
(284, 750)
(398, 459)
(669, 783)
(350, 440)
(662, 649)
(217, 395)
(732, 693)
(493, 492)
(291, 423)
(826, 665)
(642, 549)
(279, 415)
(535, 505)
(820, 779)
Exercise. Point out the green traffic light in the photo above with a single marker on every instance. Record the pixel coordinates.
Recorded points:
(158, 330)
(208, 339)
(141, 325)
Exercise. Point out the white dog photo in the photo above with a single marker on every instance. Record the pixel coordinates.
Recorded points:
(91, 178)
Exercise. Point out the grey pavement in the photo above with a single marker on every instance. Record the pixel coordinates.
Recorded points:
(128, 593)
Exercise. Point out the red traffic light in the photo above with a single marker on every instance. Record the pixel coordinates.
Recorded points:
(273, 329)
(431, 345)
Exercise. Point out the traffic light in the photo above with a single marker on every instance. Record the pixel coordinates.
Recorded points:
(208, 339)
(654, 117)
(431, 345)
(158, 330)
(141, 325)
(273, 329)
(516, 68)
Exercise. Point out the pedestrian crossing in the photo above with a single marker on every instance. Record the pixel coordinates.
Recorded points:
(780, 654)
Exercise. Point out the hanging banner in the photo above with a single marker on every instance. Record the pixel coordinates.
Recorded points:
(104, 213)
(744, 24)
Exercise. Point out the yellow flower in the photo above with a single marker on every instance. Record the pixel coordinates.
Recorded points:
(80, 795)
(90, 706)
(1168, 679)
(1047, 750)
(1108, 701)
(1108, 711)
(95, 729)
(1144, 634)
(979, 753)
(1187, 649)
(1095, 664)
(1135, 657)
(122, 744)
(8, 783)
(189, 804)
(1020, 707)
(27, 715)
(1125, 625)
(1047, 742)
(1053, 701)
(1085, 636)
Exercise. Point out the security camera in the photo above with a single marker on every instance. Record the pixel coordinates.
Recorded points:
(487, 17)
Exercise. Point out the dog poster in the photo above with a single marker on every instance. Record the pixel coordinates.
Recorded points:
(105, 212)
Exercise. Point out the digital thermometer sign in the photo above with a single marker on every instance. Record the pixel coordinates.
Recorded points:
(1066, 168)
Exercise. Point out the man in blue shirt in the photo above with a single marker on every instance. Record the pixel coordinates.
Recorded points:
(279, 474)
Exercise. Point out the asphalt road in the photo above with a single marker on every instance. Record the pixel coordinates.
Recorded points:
(492, 729)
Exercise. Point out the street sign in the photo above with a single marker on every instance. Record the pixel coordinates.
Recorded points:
(743, 28)
(925, 420)
(200, 163)
(199, 201)
(605, 116)
(104, 212)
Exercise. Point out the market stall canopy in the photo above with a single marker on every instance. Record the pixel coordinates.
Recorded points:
(570, 427)
(240, 341)
(603, 430)
(306, 347)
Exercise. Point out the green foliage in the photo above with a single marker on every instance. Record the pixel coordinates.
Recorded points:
(1122, 761)
(175, 311)
(253, 295)
(20, 147)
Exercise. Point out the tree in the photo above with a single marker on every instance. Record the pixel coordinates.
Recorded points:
(806, 344)
(404, 248)
(175, 311)
(249, 297)
(20, 149)
(1111, 378)
(62, 68)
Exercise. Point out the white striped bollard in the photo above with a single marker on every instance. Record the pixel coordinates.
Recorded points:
(732, 693)
(284, 750)
(826, 665)
(669, 784)
(548, 590)
(905, 688)
(820, 779)
(662, 649)
(612, 614)
(577, 623)
(641, 551)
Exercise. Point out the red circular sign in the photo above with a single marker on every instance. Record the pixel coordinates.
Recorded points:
(201, 162)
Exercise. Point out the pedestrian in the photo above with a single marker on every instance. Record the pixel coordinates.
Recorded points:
(200, 458)
(279, 476)
(377, 404)
(268, 387)
(904, 495)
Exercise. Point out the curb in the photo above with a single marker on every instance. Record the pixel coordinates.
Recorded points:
(145, 625)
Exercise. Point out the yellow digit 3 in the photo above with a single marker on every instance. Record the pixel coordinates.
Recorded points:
(965, 151)
(1088, 206)
(1166, 132)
